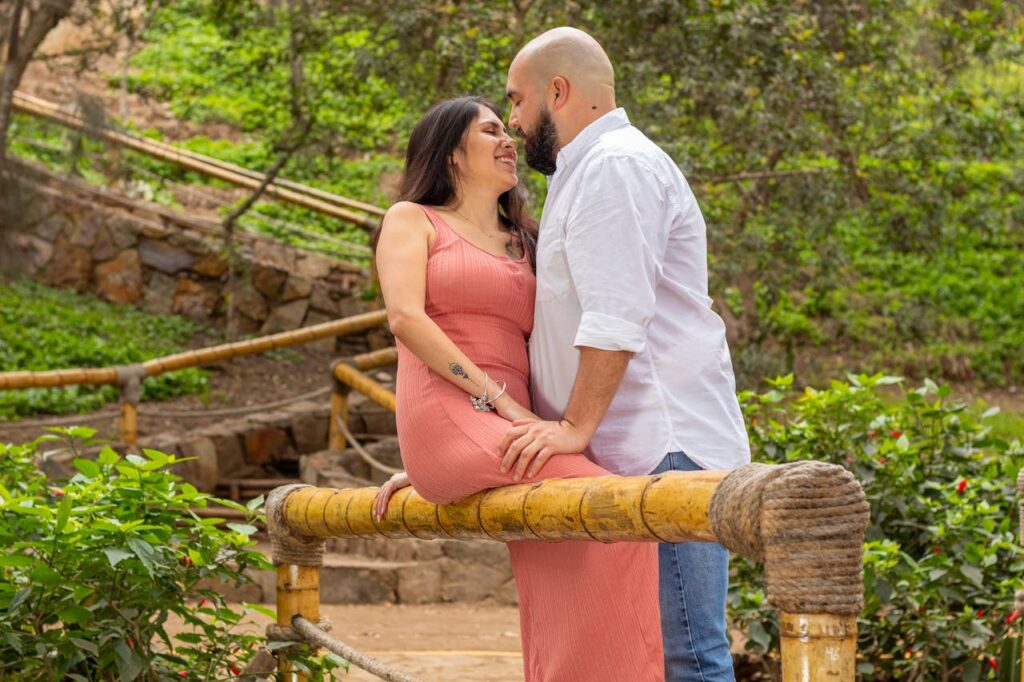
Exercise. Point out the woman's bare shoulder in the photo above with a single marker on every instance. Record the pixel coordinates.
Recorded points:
(407, 216)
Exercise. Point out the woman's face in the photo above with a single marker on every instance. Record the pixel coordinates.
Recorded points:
(488, 154)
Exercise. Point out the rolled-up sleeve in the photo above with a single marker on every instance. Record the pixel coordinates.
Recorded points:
(612, 239)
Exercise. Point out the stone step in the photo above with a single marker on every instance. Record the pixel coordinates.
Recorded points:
(452, 571)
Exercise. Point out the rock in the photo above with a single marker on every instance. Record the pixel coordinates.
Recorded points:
(354, 581)
(85, 230)
(352, 305)
(419, 584)
(286, 317)
(30, 252)
(250, 303)
(164, 257)
(312, 265)
(321, 299)
(492, 554)
(122, 231)
(264, 444)
(53, 225)
(379, 421)
(310, 432)
(159, 293)
(295, 287)
(70, 266)
(104, 249)
(203, 470)
(194, 299)
(377, 339)
(506, 595)
(211, 265)
(267, 281)
(228, 444)
(274, 255)
(471, 581)
(120, 280)
(386, 452)
(326, 344)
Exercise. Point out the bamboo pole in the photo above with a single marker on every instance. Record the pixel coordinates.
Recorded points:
(44, 109)
(818, 647)
(128, 426)
(341, 388)
(298, 594)
(195, 358)
(669, 508)
(352, 377)
(339, 411)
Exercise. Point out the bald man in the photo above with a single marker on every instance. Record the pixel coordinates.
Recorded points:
(629, 364)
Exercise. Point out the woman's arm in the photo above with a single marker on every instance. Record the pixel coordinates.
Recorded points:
(405, 239)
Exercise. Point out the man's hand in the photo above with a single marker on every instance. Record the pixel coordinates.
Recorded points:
(528, 445)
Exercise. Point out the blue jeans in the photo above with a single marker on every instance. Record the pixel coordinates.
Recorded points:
(694, 579)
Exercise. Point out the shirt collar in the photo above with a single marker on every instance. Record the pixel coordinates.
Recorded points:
(571, 153)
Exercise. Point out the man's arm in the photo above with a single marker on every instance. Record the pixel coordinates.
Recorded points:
(527, 446)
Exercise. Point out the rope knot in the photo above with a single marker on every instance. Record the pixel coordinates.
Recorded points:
(805, 521)
(289, 547)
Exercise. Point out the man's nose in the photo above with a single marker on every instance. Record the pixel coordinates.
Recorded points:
(513, 122)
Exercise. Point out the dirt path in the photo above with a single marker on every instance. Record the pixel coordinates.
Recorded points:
(465, 642)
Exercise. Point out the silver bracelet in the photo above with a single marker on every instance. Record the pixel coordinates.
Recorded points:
(483, 403)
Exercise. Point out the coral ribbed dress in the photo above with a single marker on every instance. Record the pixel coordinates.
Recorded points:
(588, 611)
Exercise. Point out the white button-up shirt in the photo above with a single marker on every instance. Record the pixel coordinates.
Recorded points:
(622, 266)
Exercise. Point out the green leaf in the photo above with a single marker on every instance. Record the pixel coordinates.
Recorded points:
(255, 503)
(63, 514)
(759, 635)
(974, 574)
(145, 552)
(13, 641)
(129, 665)
(88, 467)
(75, 614)
(115, 556)
(260, 608)
(16, 560)
(44, 575)
(85, 644)
(108, 456)
(336, 661)
(19, 598)
(242, 528)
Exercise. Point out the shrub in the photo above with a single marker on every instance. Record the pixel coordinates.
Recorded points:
(940, 552)
(91, 571)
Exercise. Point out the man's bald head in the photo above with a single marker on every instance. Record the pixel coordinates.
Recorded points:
(572, 54)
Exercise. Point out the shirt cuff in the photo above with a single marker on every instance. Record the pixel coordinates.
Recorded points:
(605, 332)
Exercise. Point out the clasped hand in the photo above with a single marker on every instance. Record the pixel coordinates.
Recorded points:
(530, 443)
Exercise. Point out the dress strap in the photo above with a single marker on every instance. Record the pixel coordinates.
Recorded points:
(439, 223)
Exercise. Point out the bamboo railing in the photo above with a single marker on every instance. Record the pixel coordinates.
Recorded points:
(129, 377)
(804, 521)
(284, 190)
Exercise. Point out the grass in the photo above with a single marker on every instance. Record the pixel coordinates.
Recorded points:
(42, 328)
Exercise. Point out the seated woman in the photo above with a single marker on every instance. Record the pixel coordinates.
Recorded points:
(454, 259)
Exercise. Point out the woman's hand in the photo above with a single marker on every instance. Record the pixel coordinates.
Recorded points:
(393, 485)
(509, 409)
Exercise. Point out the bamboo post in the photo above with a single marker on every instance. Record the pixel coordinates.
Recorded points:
(339, 410)
(818, 647)
(1019, 596)
(129, 384)
(298, 594)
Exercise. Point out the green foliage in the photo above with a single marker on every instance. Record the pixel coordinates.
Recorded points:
(43, 328)
(941, 555)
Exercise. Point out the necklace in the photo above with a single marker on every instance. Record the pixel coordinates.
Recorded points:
(513, 246)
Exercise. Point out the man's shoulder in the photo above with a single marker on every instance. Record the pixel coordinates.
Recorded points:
(628, 147)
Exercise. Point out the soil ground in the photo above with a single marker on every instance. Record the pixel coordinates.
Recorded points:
(465, 642)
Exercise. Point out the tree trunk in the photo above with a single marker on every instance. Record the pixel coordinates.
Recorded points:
(21, 46)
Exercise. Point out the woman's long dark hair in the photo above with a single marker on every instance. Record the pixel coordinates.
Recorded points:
(430, 175)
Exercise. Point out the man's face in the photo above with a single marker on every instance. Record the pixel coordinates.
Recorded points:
(530, 117)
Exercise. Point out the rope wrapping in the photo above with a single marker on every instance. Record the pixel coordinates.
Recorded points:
(129, 382)
(805, 521)
(290, 547)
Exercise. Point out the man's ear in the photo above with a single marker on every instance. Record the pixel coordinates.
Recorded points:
(561, 92)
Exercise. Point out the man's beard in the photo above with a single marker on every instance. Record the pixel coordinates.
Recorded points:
(541, 145)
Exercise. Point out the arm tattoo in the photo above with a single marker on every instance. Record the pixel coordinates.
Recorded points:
(457, 370)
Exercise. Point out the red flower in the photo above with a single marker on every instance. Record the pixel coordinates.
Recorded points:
(185, 560)
(961, 486)
(883, 460)
(935, 549)
(981, 613)
(182, 673)
(201, 602)
(993, 664)
(57, 492)
(895, 434)
(234, 669)
(872, 433)
(131, 643)
(1014, 615)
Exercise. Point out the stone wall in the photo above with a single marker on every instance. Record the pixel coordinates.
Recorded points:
(72, 235)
